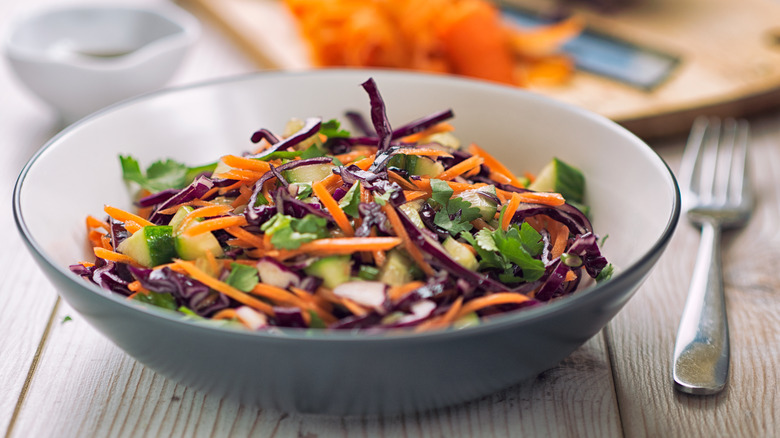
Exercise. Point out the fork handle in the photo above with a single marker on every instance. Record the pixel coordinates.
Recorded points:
(701, 352)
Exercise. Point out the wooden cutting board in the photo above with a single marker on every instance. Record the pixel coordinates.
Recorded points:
(728, 56)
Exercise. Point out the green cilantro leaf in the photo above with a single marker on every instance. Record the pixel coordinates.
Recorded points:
(511, 248)
(605, 273)
(164, 300)
(349, 203)
(441, 191)
(290, 233)
(161, 175)
(67, 318)
(316, 321)
(242, 277)
(489, 258)
(332, 129)
(310, 152)
(456, 217)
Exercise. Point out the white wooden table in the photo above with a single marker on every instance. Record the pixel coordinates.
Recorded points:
(60, 378)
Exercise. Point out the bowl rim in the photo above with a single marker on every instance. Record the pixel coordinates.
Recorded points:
(498, 322)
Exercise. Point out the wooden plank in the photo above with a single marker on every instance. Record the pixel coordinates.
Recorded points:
(730, 56)
(27, 298)
(88, 387)
(642, 335)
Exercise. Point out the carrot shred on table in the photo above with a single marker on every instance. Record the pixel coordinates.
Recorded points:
(333, 208)
(491, 300)
(124, 216)
(223, 287)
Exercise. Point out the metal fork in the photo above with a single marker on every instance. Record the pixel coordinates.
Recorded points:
(719, 196)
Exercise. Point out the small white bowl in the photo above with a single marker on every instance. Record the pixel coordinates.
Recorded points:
(79, 59)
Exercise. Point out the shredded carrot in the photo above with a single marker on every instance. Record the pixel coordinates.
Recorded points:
(413, 195)
(378, 255)
(333, 207)
(355, 154)
(545, 198)
(495, 165)
(401, 181)
(491, 300)
(354, 307)
(93, 222)
(223, 287)
(210, 211)
(124, 216)
(411, 248)
(240, 174)
(243, 198)
(442, 320)
(114, 256)
(245, 236)
(135, 286)
(225, 314)
(424, 152)
(193, 203)
(215, 224)
(397, 292)
(424, 184)
(511, 208)
(345, 245)
(461, 168)
(435, 129)
(223, 190)
(246, 163)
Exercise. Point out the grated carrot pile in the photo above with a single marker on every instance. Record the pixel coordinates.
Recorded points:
(463, 37)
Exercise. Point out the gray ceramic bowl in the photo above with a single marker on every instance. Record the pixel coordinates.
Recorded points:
(633, 195)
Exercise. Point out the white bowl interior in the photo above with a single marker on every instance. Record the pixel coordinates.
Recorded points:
(97, 32)
(629, 188)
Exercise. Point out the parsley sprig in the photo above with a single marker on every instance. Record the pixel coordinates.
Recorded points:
(455, 214)
(162, 174)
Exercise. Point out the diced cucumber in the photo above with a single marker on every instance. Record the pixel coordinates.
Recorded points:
(423, 166)
(487, 206)
(396, 270)
(193, 247)
(446, 139)
(468, 320)
(460, 253)
(412, 211)
(150, 246)
(308, 174)
(557, 176)
(416, 165)
(179, 217)
(333, 270)
(293, 126)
